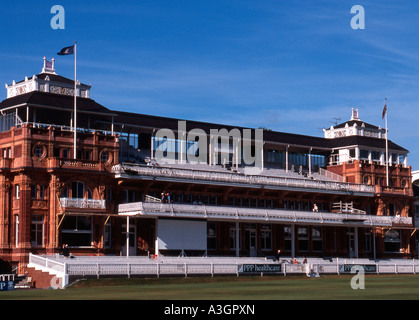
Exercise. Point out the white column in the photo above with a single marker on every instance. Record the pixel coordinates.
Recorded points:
(356, 241)
(237, 239)
(357, 153)
(309, 161)
(210, 151)
(156, 243)
(373, 242)
(127, 236)
(293, 240)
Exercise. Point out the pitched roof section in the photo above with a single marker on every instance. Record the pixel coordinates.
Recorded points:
(359, 123)
(157, 122)
(54, 78)
(46, 99)
(363, 141)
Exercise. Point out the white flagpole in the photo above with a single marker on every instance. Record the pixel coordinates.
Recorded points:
(386, 146)
(75, 100)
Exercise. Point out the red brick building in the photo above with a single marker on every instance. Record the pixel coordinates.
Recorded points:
(314, 196)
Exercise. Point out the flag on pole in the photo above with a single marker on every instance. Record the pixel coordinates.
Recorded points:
(384, 110)
(66, 51)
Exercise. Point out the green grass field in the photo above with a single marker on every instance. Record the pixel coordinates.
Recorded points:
(384, 287)
(404, 287)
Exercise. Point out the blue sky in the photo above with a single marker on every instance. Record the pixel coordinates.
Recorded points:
(290, 66)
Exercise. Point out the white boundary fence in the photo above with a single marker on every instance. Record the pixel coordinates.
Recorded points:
(103, 269)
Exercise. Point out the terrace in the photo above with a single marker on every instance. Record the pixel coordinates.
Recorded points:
(226, 213)
(275, 179)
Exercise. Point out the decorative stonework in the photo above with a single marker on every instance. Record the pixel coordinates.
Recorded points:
(50, 83)
(354, 127)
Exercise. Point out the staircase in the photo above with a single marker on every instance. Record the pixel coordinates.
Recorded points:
(39, 279)
(22, 282)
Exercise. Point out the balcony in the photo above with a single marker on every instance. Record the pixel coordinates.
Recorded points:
(82, 205)
(76, 164)
(394, 191)
(224, 213)
(280, 180)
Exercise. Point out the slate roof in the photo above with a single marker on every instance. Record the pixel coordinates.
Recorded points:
(54, 78)
(358, 123)
(54, 100)
(47, 99)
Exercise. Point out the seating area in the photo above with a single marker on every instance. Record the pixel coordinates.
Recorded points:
(69, 269)
(294, 172)
(277, 178)
(220, 260)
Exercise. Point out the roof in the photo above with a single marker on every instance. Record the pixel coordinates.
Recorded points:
(54, 78)
(54, 100)
(359, 123)
(363, 141)
(47, 99)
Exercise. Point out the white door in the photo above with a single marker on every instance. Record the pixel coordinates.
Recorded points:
(251, 243)
(132, 238)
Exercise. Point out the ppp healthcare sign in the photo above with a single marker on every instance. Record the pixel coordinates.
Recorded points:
(7, 285)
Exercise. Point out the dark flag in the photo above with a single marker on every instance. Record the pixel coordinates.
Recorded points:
(66, 51)
(384, 110)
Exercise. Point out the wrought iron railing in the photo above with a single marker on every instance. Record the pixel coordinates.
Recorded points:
(82, 203)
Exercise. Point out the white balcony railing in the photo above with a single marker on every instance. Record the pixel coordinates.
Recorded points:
(239, 178)
(82, 203)
(257, 214)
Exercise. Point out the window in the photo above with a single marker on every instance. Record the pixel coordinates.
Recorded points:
(16, 230)
(39, 151)
(363, 154)
(77, 190)
(391, 209)
(316, 233)
(303, 243)
(38, 191)
(401, 158)
(37, 231)
(129, 196)
(104, 156)
(87, 154)
(233, 234)
(288, 237)
(266, 237)
(107, 235)
(368, 238)
(211, 236)
(77, 231)
(392, 242)
(17, 191)
(65, 153)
